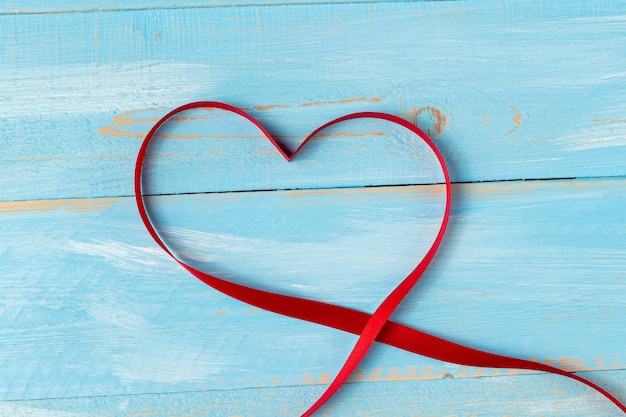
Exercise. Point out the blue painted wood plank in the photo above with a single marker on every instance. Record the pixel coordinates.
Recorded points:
(94, 316)
(90, 306)
(513, 396)
(521, 90)
(67, 6)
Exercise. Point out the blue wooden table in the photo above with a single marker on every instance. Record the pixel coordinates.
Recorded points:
(526, 101)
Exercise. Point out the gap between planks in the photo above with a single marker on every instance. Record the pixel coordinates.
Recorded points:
(504, 375)
(55, 203)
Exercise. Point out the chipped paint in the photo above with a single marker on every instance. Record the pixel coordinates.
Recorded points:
(517, 121)
(80, 327)
(609, 120)
(320, 103)
(78, 204)
(434, 121)
(324, 378)
(117, 130)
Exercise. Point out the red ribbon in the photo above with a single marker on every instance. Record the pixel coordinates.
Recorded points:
(369, 327)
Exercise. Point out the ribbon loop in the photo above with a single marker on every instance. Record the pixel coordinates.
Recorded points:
(369, 327)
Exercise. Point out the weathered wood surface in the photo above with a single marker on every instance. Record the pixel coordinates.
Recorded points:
(532, 269)
(520, 90)
(95, 320)
(521, 395)
(64, 6)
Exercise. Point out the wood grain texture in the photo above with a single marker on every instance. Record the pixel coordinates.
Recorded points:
(95, 320)
(505, 396)
(75, 6)
(515, 90)
(532, 269)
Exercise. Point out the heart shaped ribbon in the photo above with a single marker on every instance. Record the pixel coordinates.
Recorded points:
(369, 327)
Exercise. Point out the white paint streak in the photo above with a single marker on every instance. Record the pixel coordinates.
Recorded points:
(302, 287)
(117, 315)
(12, 409)
(600, 136)
(526, 161)
(205, 243)
(121, 255)
(601, 19)
(86, 89)
(616, 75)
(601, 142)
(160, 363)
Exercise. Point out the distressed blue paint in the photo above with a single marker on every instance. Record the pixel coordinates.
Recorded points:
(95, 308)
(67, 6)
(523, 89)
(515, 396)
(95, 320)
